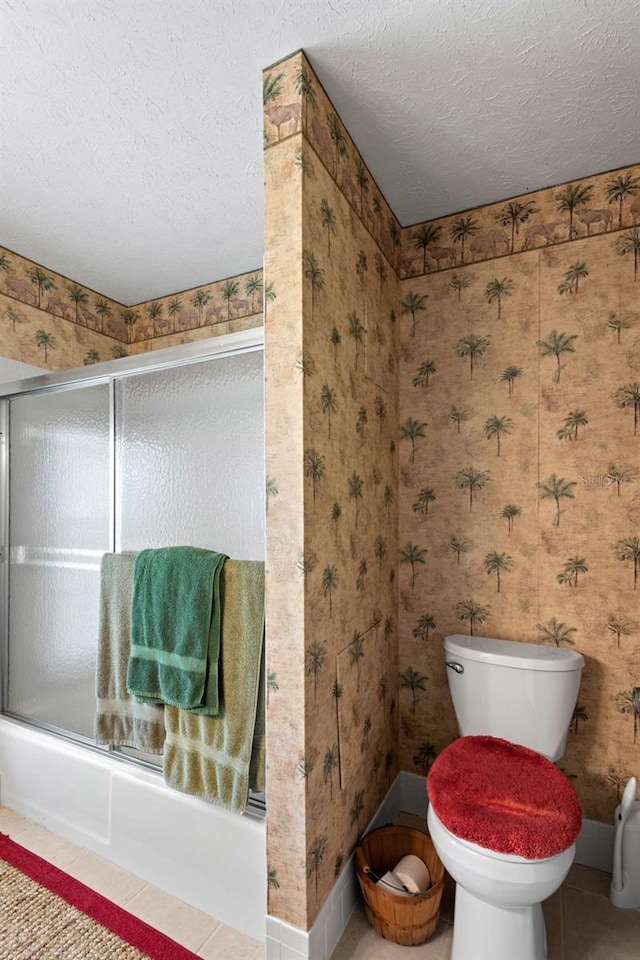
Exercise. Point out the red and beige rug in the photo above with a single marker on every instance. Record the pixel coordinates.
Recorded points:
(47, 915)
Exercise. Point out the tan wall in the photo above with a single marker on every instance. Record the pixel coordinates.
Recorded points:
(285, 601)
(58, 324)
(459, 418)
(331, 360)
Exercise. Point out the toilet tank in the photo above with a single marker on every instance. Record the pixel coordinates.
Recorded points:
(523, 692)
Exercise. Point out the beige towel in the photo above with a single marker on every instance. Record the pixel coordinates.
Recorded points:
(120, 721)
(211, 757)
(258, 764)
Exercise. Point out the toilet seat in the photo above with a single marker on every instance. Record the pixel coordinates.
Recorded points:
(504, 798)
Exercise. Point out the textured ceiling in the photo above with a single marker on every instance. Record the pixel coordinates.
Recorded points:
(131, 130)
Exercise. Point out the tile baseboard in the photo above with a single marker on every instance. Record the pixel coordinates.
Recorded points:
(284, 942)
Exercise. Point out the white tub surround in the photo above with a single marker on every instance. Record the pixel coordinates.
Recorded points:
(210, 858)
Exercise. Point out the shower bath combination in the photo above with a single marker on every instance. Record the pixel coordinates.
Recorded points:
(161, 450)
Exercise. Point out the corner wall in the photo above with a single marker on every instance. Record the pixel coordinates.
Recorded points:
(520, 372)
(331, 358)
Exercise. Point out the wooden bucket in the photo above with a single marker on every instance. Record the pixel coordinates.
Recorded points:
(405, 920)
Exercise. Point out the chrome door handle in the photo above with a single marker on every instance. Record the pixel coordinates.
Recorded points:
(455, 666)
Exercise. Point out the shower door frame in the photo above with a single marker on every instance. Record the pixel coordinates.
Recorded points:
(110, 372)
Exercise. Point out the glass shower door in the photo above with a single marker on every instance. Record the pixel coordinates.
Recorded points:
(59, 527)
(160, 457)
(190, 457)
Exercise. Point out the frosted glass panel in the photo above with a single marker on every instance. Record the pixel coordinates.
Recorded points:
(190, 457)
(59, 528)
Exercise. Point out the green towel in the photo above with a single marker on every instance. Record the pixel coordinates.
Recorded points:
(219, 758)
(175, 628)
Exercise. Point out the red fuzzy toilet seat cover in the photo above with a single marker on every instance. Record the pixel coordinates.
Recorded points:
(504, 797)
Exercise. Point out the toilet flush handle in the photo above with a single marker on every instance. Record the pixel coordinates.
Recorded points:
(455, 666)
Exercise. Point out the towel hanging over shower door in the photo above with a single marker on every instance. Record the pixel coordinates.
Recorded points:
(219, 758)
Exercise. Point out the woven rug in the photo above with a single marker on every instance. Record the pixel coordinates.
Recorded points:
(47, 915)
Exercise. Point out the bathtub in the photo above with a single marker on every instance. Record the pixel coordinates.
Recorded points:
(210, 858)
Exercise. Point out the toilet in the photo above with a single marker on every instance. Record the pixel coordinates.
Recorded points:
(502, 817)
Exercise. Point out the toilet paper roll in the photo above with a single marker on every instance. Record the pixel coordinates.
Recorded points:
(413, 874)
(392, 884)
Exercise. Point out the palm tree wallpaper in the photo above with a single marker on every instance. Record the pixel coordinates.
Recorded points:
(84, 323)
(332, 446)
(531, 452)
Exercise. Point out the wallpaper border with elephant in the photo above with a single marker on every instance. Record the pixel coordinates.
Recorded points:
(309, 110)
(338, 339)
(587, 207)
(54, 322)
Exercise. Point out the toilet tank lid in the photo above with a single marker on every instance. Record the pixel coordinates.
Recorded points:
(512, 653)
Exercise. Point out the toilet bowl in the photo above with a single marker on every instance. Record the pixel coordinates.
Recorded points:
(498, 912)
(498, 877)
(502, 817)
(498, 904)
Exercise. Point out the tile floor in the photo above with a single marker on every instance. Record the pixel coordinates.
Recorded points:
(581, 923)
(204, 935)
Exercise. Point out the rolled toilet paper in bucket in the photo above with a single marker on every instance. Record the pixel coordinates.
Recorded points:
(413, 874)
(392, 884)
